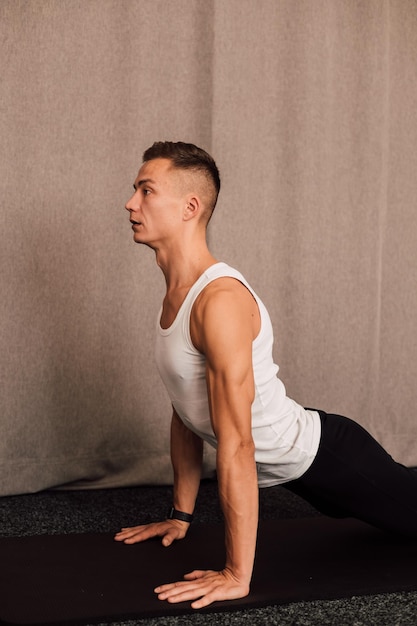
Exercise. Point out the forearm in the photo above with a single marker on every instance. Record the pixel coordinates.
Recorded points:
(187, 458)
(238, 492)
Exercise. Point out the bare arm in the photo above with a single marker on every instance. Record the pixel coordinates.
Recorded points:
(224, 324)
(231, 393)
(186, 456)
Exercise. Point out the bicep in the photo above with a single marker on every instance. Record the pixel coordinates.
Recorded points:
(227, 336)
(180, 432)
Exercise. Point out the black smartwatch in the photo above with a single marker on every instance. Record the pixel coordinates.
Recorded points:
(184, 517)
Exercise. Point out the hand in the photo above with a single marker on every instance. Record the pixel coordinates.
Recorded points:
(169, 530)
(204, 587)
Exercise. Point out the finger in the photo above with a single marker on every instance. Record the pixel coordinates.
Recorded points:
(136, 534)
(180, 592)
(198, 573)
(218, 593)
(125, 533)
(202, 591)
(183, 591)
(206, 600)
(168, 539)
(167, 587)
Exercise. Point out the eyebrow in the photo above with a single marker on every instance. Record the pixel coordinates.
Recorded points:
(144, 181)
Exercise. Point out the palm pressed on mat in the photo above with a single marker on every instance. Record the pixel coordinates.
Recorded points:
(86, 578)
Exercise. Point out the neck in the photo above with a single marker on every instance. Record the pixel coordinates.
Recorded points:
(183, 264)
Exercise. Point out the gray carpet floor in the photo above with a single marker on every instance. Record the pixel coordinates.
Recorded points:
(56, 512)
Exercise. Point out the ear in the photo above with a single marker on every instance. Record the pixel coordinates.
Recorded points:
(193, 208)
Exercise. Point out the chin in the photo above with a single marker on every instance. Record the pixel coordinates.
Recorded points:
(143, 242)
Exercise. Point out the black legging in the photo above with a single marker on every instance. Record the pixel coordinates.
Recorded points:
(353, 476)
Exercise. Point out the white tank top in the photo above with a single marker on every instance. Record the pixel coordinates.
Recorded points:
(286, 436)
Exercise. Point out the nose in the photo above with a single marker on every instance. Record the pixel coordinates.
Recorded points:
(132, 203)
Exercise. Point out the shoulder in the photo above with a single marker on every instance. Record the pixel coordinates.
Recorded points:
(224, 294)
(224, 307)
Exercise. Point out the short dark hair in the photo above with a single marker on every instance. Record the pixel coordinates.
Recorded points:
(187, 156)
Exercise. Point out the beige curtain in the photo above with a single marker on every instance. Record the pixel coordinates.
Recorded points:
(310, 109)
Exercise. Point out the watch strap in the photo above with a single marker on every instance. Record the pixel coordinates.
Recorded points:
(173, 513)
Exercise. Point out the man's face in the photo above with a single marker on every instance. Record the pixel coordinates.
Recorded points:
(157, 205)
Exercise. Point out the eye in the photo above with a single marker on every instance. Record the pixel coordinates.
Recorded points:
(146, 191)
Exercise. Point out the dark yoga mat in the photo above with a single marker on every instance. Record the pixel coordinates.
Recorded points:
(65, 579)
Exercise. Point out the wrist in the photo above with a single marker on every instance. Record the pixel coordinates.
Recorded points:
(173, 513)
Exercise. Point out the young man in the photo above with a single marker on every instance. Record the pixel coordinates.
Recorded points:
(214, 354)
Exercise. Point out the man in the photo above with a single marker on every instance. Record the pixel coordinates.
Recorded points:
(214, 353)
